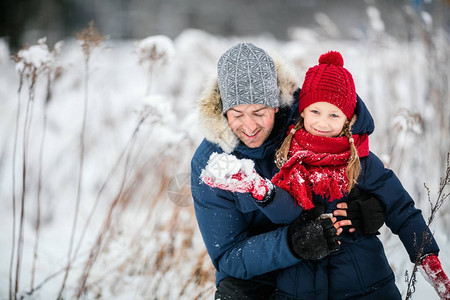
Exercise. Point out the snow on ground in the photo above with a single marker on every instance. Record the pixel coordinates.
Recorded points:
(150, 246)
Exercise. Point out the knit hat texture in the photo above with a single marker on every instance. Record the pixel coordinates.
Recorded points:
(247, 75)
(329, 82)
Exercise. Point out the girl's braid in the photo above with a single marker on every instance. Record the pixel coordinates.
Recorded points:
(354, 165)
(281, 157)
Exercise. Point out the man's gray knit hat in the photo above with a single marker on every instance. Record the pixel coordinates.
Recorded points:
(247, 75)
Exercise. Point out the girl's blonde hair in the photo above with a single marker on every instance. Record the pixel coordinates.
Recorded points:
(353, 166)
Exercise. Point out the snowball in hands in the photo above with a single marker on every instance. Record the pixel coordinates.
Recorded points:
(227, 172)
(222, 166)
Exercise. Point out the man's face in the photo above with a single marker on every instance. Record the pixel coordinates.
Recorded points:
(252, 123)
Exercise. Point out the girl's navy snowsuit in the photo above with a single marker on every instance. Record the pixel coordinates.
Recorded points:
(360, 269)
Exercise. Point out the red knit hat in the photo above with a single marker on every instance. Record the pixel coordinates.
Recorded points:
(329, 82)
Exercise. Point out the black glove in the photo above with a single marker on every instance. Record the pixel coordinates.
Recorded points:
(268, 198)
(311, 237)
(365, 211)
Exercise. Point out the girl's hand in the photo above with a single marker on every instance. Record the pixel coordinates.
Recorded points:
(342, 212)
(433, 272)
(362, 211)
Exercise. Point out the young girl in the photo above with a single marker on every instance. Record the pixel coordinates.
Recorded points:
(321, 159)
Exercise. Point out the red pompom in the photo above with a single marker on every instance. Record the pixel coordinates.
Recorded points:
(332, 58)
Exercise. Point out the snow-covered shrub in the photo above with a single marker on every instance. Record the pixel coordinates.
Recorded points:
(154, 52)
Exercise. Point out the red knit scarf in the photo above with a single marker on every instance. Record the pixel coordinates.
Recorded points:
(318, 165)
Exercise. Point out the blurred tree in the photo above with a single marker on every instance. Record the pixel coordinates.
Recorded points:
(14, 15)
(27, 20)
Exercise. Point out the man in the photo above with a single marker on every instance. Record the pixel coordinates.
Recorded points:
(247, 114)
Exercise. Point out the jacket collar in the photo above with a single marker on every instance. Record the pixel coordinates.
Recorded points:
(364, 122)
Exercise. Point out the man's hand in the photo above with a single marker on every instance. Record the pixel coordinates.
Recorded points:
(226, 172)
(364, 212)
(311, 236)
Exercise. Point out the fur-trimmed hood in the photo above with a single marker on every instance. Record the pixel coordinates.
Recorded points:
(215, 125)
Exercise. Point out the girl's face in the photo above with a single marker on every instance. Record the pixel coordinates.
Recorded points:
(323, 119)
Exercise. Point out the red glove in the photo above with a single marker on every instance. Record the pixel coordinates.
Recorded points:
(226, 172)
(431, 266)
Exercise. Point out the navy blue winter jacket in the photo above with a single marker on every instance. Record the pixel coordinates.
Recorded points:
(241, 240)
(249, 242)
(360, 267)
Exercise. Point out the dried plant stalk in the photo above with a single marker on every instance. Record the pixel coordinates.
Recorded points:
(16, 134)
(121, 196)
(41, 153)
(26, 136)
(89, 38)
(441, 198)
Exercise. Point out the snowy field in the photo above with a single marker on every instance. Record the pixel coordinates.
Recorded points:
(114, 198)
